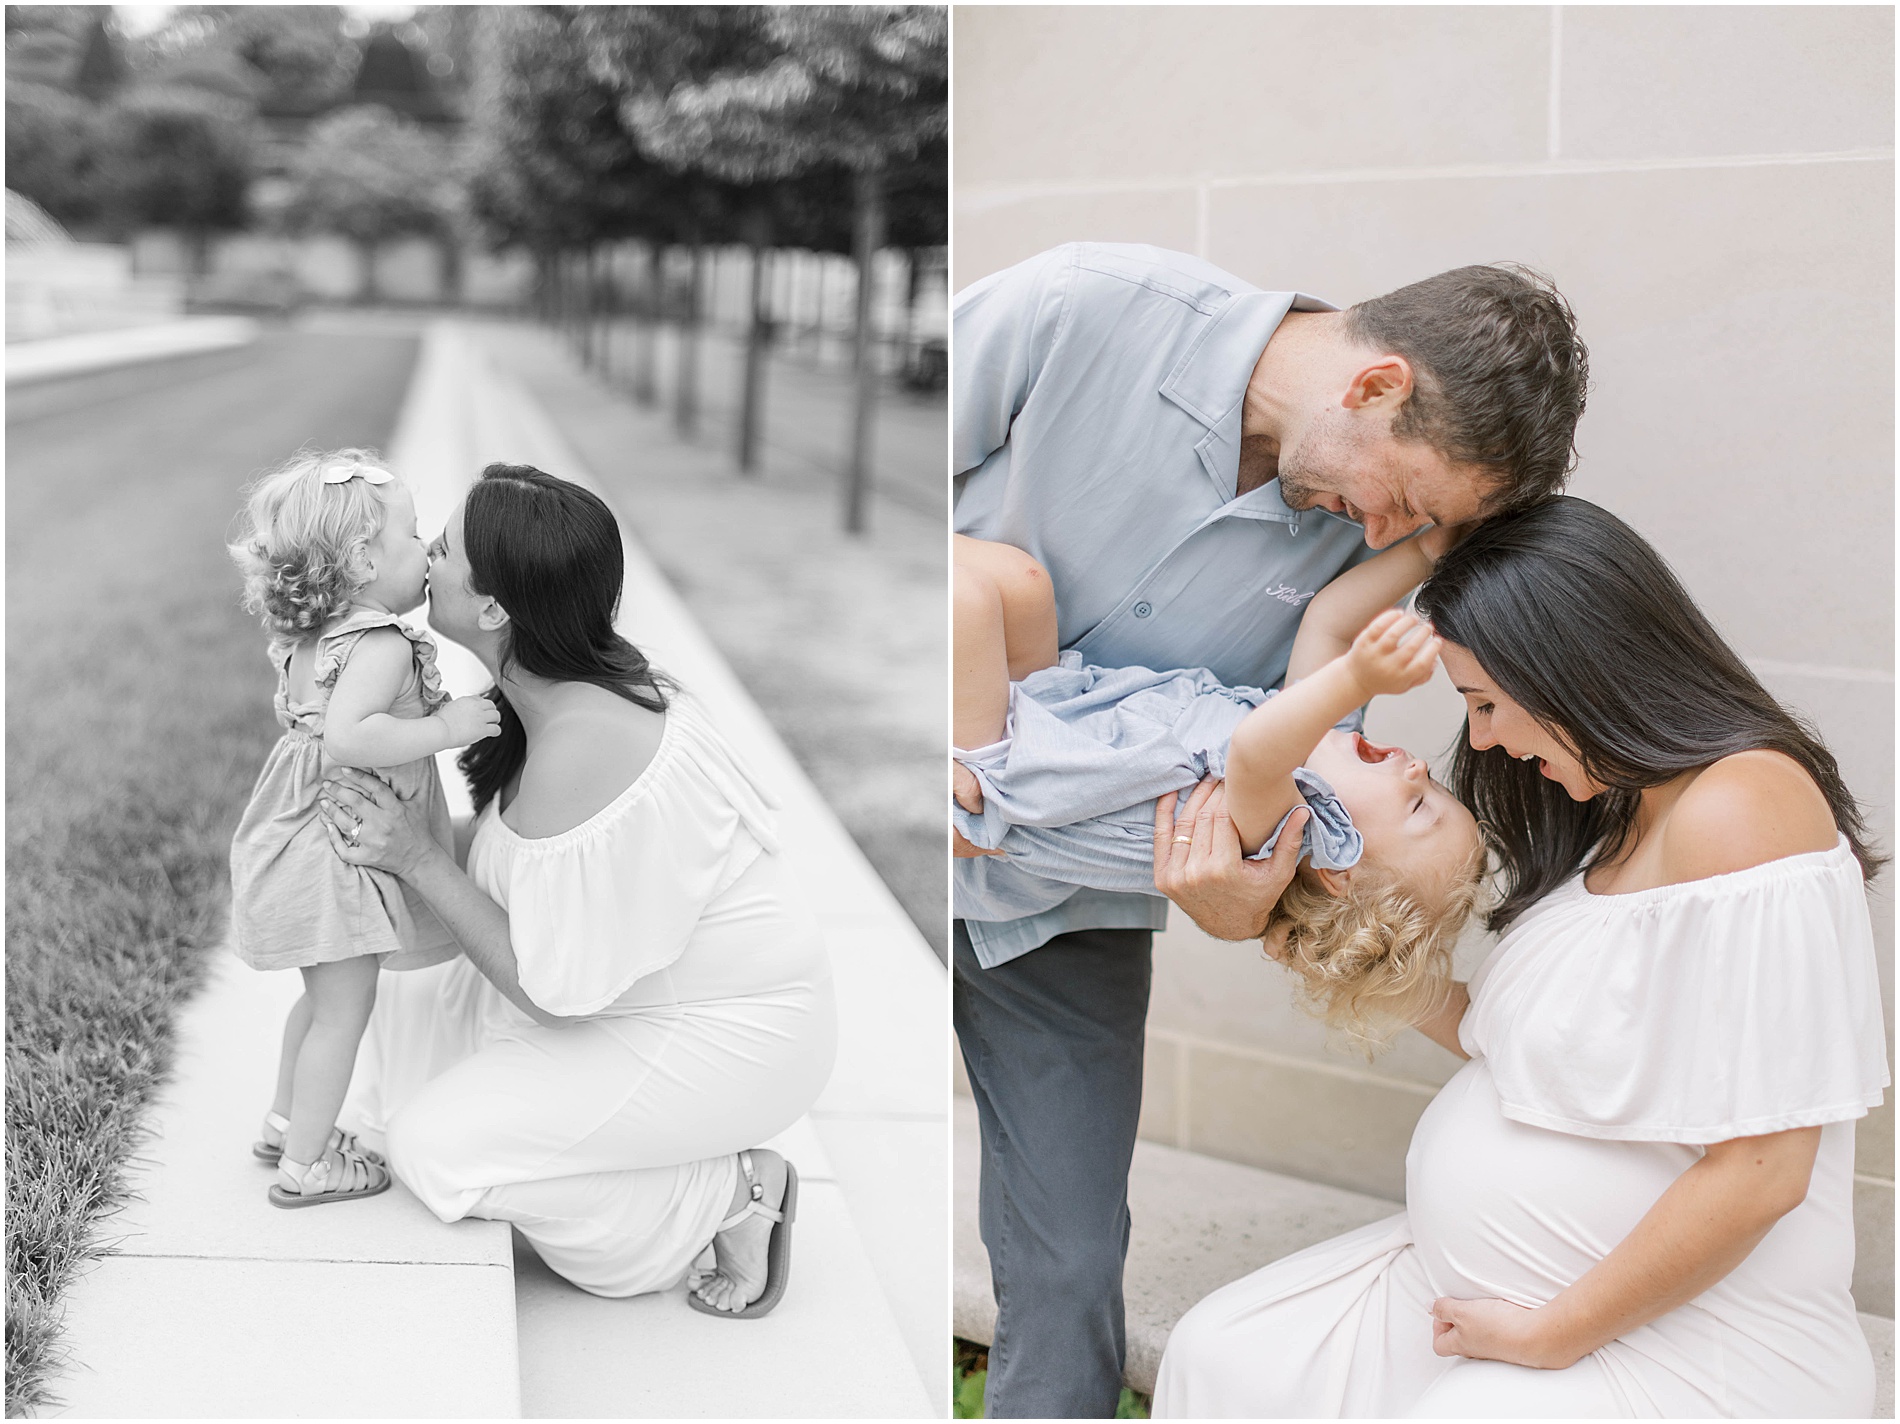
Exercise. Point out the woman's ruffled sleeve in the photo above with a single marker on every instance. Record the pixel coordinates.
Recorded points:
(1730, 1007)
(594, 910)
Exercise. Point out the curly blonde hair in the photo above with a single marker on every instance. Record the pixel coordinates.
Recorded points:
(303, 545)
(1377, 958)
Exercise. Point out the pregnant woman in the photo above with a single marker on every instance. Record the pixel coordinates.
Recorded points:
(1636, 1197)
(643, 998)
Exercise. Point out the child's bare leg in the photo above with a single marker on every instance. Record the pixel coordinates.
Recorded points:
(1029, 602)
(341, 995)
(296, 1025)
(1005, 629)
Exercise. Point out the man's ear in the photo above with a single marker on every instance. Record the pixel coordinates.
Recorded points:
(492, 617)
(1334, 882)
(1386, 380)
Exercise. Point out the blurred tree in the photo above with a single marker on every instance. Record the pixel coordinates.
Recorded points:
(101, 71)
(555, 170)
(759, 93)
(300, 50)
(370, 177)
(178, 159)
(52, 151)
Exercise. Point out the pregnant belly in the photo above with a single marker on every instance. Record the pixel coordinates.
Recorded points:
(1501, 1209)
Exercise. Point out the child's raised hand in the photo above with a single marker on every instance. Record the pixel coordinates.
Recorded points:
(1393, 653)
(469, 719)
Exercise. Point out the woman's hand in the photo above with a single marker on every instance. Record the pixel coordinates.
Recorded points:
(1497, 1330)
(369, 824)
(1198, 864)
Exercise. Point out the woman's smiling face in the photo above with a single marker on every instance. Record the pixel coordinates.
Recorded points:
(1496, 721)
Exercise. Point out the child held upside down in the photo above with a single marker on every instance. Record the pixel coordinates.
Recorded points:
(1058, 766)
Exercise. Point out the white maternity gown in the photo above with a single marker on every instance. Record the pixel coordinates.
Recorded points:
(669, 922)
(1611, 1037)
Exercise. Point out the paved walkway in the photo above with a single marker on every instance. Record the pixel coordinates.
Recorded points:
(394, 1314)
(123, 346)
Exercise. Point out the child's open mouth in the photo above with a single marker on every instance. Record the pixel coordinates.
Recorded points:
(1367, 751)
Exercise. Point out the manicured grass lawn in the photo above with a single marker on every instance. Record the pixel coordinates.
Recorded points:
(972, 1367)
(138, 713)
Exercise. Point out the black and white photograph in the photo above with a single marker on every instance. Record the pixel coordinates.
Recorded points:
(477, 685)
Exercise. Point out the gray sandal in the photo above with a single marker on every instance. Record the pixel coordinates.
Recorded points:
(778, 1248)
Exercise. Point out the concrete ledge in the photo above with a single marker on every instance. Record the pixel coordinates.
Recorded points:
(96, 350)
(218, 1305)
(1200, 1223)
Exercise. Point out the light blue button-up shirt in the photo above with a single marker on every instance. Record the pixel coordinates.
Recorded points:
(1098, 394)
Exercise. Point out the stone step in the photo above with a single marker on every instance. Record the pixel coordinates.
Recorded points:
(653, 1357)
(1199, 1223)
(218, 1305)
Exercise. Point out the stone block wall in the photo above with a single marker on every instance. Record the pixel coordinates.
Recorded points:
(1711, 187)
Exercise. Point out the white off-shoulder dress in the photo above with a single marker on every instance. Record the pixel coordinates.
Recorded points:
(669, 923)
(1611, 1037)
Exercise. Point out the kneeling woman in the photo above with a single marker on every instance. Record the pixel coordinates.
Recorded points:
(644, 997)
(1636, 1198)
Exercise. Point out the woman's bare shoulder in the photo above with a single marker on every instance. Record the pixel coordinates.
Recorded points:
(590, 751)
(1743, 811)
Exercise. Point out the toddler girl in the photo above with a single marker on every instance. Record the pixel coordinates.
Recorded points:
(1059, 765)
(330, 557)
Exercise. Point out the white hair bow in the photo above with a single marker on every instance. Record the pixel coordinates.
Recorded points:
(343, 474)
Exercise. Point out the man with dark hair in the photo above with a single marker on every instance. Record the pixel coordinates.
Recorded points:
(1192, 459)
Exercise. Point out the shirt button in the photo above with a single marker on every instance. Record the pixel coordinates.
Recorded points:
(1142, 610)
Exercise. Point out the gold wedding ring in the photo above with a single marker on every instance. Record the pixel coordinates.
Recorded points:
(1184, 840)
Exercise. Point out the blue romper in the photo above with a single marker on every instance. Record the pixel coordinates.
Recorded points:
(1069, 793)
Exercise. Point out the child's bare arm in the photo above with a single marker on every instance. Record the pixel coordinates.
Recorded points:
(1339, 610)
(1004, 628)
(1393, 653)
(357, 727)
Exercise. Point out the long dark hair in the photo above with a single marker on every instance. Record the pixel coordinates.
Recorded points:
(549, 553)
(1579, 621)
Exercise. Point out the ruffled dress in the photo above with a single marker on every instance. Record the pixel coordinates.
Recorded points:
(293, 902)
(1612, 1037)
(668, 931)
(1069, 793)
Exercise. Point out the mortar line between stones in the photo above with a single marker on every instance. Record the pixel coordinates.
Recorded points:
(1307, 1065)
(979, 199)
(1556, 74)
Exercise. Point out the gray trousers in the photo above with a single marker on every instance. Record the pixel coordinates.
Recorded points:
(1053, 1045)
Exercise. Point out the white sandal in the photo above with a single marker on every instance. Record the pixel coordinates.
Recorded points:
(267, 1151)
(778, 1248)
(340, 1174)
